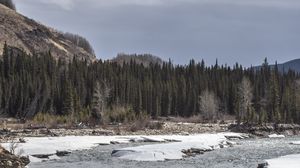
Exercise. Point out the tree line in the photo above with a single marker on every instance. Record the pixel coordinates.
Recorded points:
(35, 84)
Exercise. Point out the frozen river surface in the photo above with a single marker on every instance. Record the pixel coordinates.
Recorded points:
(247, 154)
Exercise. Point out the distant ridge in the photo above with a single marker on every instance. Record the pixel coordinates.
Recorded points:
(293, 65)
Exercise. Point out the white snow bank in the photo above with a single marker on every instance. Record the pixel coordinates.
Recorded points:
(276, 136)
(50, 145)
(295, 143)
(172, 151)
(165, 150)
(290, 161)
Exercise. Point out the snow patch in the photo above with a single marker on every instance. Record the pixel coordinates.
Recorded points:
(173, 151)
(290, 161)
(58, 46)
(295, 143)
(276, 136)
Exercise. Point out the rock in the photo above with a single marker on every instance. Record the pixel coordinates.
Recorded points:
(262, 165)
(230, 143)
(102, 132)
(266, 129)
(8, 160)
(21, 32)
(25, 160)
(62, 153)
(42, 156)
(114, 142)
(193, 152)
(22, 140)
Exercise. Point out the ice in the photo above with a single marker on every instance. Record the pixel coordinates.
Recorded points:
(153, 139)
(295, 143)
(169, 147)
(49, 145)
(276, 136)
(172, 151)
(290, 161)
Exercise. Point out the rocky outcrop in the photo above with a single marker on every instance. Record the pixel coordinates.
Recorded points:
(8, 160)
(32, 37)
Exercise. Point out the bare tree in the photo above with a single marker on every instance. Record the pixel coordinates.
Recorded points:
(80, 42)
(245, 98)
(208, 105)
(12, 147)
(99, 101)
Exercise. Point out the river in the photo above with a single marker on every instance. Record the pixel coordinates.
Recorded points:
(247, 154)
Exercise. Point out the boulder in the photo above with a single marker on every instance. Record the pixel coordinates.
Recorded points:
(262, 165)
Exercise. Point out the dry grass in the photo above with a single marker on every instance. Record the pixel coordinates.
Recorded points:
(145, 122)
(200, 119)
(194, 119)
(119, 114)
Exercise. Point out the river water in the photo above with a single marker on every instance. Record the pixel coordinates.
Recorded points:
(247, 154)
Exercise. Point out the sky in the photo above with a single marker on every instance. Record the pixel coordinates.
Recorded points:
(243, 31)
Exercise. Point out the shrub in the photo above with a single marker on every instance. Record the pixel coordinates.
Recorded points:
(80, 42)
(144, 122)
(120, 114)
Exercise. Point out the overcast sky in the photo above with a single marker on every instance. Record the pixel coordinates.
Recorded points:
(244, 31)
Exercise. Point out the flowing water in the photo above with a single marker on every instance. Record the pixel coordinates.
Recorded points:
(248, 153)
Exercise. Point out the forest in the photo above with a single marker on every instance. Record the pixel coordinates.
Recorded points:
(33, 85)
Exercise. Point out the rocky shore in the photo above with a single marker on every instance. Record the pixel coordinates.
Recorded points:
(266, 129)
(168, 128)
(8, 160)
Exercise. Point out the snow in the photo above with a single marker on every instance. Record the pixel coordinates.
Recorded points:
(49, 145)
(276, 136)
(295, 143)
(169, 147)
(290, 161)
(172, 151)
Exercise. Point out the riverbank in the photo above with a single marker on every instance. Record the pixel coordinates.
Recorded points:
(9, 160)
(165, 128)
(161, 128)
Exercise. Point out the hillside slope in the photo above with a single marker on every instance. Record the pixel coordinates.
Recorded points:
(293, 65)
(24, 33)
(290, 65)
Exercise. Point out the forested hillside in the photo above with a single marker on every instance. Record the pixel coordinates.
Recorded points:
(32, 85)
(145, 59)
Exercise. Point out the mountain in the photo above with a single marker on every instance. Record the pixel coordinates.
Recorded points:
(293, 65)
(290, 65)
(144, 59)
(32, 37)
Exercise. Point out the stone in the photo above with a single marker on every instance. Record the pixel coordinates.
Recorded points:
(262, 165)
(8, 160)
(62, 153)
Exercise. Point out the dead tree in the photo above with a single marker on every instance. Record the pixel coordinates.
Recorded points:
(99, 101)
(245, 97)
(208, 105)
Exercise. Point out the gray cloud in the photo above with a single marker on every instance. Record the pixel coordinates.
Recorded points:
(230, 30)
